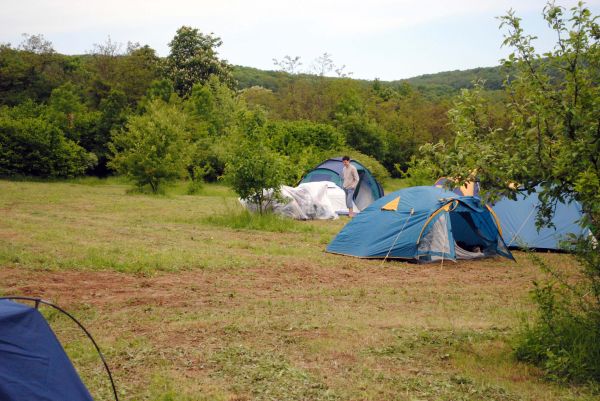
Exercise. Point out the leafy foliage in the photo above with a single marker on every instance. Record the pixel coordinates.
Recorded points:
(256, 173)
(30, 144)
(306, 115)
(304, 143)
(193, 59)
(553, 143)
(154, 148)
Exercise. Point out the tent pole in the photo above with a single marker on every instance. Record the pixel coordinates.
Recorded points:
(522, 226)
(412, 210)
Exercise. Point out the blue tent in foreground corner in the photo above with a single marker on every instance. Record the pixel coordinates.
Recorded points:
(33, 364)
(423, 224)
(367, 191)
(518, 219)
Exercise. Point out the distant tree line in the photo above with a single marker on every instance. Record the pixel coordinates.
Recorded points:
(68, 115)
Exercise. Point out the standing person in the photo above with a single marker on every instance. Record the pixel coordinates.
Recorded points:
(350, 178)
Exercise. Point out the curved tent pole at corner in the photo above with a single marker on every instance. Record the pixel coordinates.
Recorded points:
(447, 207)
(496, 219)
(39, 301)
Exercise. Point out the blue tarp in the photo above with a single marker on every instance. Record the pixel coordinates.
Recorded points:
(427, 223)
(33, 364)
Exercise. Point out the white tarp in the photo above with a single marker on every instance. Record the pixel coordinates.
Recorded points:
(337, 197)
(308, 201)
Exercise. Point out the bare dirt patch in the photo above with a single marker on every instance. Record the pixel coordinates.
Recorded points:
(106, 288)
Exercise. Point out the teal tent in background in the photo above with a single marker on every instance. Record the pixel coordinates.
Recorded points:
(423, 224)
(367, 191)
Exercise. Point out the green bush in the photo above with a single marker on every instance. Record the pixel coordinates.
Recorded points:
(30, 145)
(155, 147)
(565, 343)
(304, 143)
(292, 137)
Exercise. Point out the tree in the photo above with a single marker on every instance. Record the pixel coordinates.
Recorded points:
(65, 108)
(32, 73)
(553, 139)
(193, 59)
(288, 64)
(215, 104)
(136, 70)
(104, 59)
(552, 145)
(154, 148)
(36, 44)
(323, 64)
(112, 116)
(255, 173)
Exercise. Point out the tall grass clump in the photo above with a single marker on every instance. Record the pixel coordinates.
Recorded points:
(245, 220)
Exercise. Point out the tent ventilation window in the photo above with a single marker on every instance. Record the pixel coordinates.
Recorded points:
(392, 205)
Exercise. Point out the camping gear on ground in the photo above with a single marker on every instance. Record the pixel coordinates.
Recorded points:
(518, 219)
(309, 201)
(367, 191)
(422, 224)
(33, 364)
(336, 196)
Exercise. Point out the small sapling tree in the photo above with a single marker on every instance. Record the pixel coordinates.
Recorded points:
(256, 173)
(154, 148)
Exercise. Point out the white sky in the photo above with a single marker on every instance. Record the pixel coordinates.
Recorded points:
(383, 39)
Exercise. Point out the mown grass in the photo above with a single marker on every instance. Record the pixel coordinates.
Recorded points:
(70, 225)
(193, 299)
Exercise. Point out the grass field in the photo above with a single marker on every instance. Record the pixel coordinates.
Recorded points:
(191, 299)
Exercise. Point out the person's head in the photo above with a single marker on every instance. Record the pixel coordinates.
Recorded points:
(346, 160)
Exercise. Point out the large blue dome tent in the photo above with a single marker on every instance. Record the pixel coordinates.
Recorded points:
(367, 191)
(422, 224)
(518, 219)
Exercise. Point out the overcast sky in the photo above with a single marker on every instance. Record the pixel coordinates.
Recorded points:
(383, 39)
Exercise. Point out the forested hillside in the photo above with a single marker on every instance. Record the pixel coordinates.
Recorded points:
(63, 115)
(442, 83)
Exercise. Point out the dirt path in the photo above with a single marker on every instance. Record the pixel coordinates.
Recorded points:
(196, 287)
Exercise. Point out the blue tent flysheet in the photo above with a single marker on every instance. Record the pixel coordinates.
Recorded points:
(422, 224)
(33, 364)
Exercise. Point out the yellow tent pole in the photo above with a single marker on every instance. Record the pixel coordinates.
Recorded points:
(495, 218)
